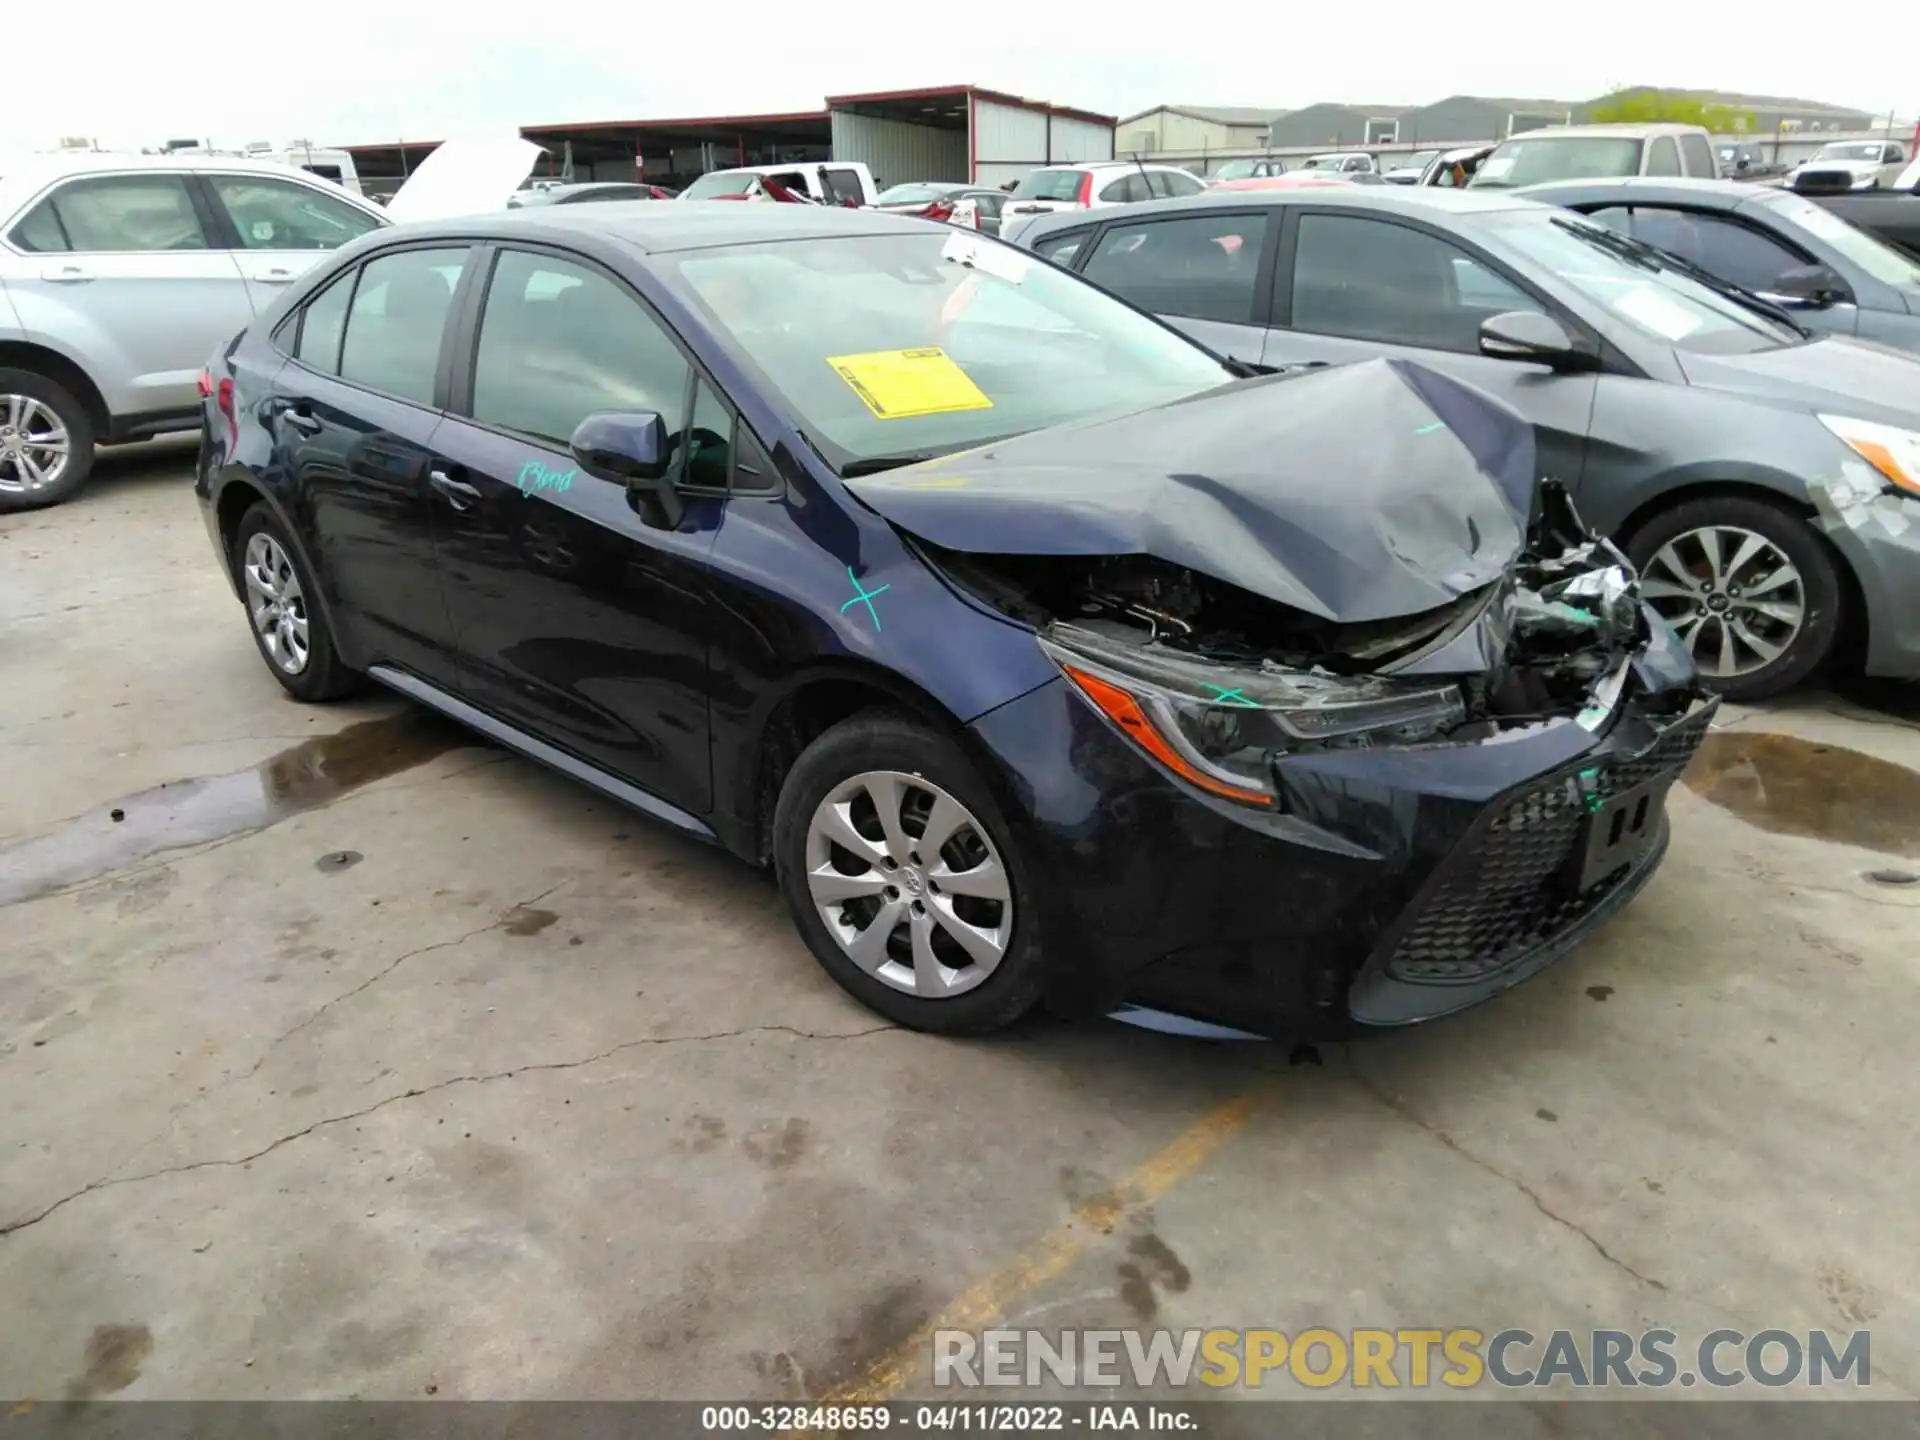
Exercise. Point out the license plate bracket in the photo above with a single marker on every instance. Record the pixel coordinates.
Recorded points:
(1620, 830)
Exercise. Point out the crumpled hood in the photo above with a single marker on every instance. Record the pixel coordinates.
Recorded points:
(1837, 375)
(1358, 493)
(469, 176)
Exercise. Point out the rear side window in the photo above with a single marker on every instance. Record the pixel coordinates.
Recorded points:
(114, 214)
(1177, 183)
(1204, 267)
(322, 326)
(844, 185)
(395, 322)
(1061, 249)
(1662, 157)
(272, 214)
(559, 341)
(1698, 155)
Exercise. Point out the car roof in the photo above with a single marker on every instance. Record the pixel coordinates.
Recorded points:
(1555, 132)
(653, 228)
(55, 165)
(1708, 194)
(1409, 200)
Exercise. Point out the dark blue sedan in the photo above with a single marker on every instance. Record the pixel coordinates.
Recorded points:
(1042, 653)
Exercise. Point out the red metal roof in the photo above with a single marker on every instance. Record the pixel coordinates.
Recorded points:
(931, 92)
(698, 122)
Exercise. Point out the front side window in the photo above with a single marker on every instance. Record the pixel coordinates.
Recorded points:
(114, 214)
(706, 460)
(272, 214)
(1631, 283)
(1204, 267)
(1534, 159)
(323, 325)
(559, 341)
(1372, 280)
(394, 326)
(1698, 156)
(1735, 252)
(1061, 249)
(1663, 158)
(1882, 262)
(844, 185)
(882, 346)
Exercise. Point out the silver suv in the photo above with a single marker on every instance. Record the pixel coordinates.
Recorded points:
(119, 276)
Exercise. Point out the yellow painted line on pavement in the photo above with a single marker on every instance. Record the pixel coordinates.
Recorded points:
(988, 1299)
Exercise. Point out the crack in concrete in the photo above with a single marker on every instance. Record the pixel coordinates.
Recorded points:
(1390, 1102)
(392, 965)
(13, 1227)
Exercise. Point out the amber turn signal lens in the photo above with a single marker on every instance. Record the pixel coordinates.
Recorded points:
(1122, 709)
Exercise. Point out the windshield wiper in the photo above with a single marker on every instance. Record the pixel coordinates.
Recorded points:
(1652, 258)
(874, 464)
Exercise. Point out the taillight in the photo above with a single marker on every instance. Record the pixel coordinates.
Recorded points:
(206, 384)
(225, 402)
(938, 210)
(1085, 197)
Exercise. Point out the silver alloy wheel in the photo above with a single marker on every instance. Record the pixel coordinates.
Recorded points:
(34, 446)
(275, 601)
(909, 883)
(1731, 594)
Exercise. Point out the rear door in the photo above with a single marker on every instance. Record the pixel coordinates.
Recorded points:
(278, 227)
(579, 621)
(1207, 272)
(1351, 286)
(353, 418)
(127, 270)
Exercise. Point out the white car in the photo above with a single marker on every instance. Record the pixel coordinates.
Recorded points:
(121, 274)
(1343, 162)
(1091, 187)
(1850, 165)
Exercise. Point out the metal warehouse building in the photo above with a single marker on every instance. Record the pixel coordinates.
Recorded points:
(954, 132)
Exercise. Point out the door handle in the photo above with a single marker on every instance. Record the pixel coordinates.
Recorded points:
(458, 493)
(67, 274)
(301, 419)
(275, 276)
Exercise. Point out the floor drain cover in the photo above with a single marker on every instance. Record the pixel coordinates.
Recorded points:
(1893, 877)
(338, 860)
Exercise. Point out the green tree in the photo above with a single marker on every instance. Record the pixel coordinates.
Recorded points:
(1647, 107)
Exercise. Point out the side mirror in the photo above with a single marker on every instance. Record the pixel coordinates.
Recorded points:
(1809, 287)
(1529, 335)
(630, 447)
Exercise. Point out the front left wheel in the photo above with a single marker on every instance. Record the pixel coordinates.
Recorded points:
(903, 878)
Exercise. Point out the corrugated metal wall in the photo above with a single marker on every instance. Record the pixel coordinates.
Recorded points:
(1080, 140)
(897, 152)
(1008, 135)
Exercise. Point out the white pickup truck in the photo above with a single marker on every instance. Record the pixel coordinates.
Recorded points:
(825, 182)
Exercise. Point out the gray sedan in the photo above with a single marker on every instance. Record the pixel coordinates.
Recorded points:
(1765, 479)
(1835, 277)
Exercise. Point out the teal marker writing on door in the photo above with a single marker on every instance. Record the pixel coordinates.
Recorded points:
(535, 476)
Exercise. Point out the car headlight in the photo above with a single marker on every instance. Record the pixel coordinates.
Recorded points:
(1219, 725)
(1894, 452)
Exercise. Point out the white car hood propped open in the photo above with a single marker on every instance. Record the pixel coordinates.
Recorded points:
(473, 175)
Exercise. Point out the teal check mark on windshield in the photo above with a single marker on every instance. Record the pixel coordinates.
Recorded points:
(864, 596)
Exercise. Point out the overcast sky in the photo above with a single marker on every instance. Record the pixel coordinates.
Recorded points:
(363, 70)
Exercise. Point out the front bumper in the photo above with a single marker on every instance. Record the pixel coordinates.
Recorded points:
(1880, 542)
(1400, 884)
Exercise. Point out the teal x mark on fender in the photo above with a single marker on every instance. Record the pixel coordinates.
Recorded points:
(862, 595)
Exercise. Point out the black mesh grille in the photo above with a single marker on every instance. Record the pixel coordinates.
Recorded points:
(1509, 888)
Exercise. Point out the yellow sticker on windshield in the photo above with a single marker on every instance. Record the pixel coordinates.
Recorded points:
(899, 384)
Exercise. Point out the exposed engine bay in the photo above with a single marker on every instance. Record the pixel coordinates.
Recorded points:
(1542, 642)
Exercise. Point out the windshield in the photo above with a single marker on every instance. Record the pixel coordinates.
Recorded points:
(913, 345)
(1323, 162)
(1572, 157)
(1636, 287)
(910, 195)
(1049, 185)
(1850, 150)
(718, 183)
(1419, 160)
(1883, 263)
(1237, 170)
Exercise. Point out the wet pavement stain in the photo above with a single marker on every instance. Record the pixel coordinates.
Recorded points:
(1803, 787)
(524, 921)
(114, 1356)
(193, 812)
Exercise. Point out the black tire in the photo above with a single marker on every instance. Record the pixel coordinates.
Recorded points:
(884, 741)
(324, 676)
(80, 441)
(1819, 632)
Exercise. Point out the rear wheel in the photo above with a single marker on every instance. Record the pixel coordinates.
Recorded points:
(903, 879)
(46, 442)
(289, 628)
(1750, 589)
